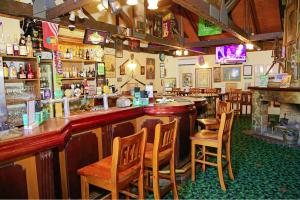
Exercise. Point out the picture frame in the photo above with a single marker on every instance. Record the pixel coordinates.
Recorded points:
(139, 16)
(170, 82)
(157, 25)
(217, 74)
(247, 70)
(231, 73)
(150, 68)
(110, 65)
(203, 78)
(162, 70)
(119, 48)
(122, 69)
(142, 70)
(187, 80)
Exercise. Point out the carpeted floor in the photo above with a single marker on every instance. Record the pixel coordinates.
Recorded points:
(262, 171)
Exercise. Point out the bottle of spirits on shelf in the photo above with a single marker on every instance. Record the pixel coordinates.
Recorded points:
(30, 74)
(87, 54)
(29, 46)
(22, 44)
(16, 47)
(89, 74)
(67, 54)
(91, 54)
(5, 71)
(21, 74)
(71, 54)
(93, 72)
(82, 54)
(74, 71)
(9, 48)
(12, 71)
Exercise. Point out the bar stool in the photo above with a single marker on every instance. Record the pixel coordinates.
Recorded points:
(162, 152)
(216, 140)
(114, 173)
(214, 123)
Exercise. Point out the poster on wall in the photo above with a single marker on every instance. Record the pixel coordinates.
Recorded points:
(187, 80)
(162, 70)
(217, 74)
(142, 70)
(203, 78)
(110, 66)
(231, 73)
(119, 48)
(157, 25)
(139, 17)
(150, 68)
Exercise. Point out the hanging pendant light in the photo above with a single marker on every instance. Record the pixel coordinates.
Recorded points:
(152, 4)
(132, 2)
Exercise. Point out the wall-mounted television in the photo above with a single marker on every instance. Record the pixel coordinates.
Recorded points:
(230, 54)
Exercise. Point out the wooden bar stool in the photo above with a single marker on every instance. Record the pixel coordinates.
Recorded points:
(214, 123)
(162, 152)
(114, 173)
(217, 140)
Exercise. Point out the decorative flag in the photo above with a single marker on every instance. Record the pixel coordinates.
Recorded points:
(206, 28)
(50, 36)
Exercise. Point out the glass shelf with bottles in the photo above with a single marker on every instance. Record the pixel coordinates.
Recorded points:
(78, 72)
(16, 71)
(79, 55)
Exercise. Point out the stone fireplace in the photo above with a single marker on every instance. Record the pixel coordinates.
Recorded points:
(274, 106)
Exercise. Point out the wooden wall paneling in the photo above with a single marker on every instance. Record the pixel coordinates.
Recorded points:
(123, 129)
(150, 122)
(81, 150)
(106, 140)
(29, 164)
(13, 184)
(183, 139)
(44, 166)
(63, 174)
(57, 173)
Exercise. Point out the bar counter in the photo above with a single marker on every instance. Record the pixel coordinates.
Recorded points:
(49, 155)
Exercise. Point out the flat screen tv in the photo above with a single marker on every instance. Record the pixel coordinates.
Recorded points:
(235, 53)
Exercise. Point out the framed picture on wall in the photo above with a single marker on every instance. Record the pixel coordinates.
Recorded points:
(139, 16)
(142, 70)
(247, 70)
(122, 69)
(169, 82)
(162, 70)
(110, 65)
(203, 78)
(187, 80)
(150, 68)
(217, 74)
(231, 73)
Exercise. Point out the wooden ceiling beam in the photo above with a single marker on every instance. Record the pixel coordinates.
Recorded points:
(225, 41)
(15, 8)
(230, 5)
(67, 7)
(254, 15)
(128, 21)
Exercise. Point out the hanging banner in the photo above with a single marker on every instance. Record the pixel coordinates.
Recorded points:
(50, 35)
(206, 28)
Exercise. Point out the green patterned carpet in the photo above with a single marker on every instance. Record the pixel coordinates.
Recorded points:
(262, 171)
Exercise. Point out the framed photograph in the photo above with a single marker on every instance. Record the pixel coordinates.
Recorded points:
(139, 16)
(142, 70)
(170, 82)
(110, 66)
(150, 68)
(157, 25)
(247, 70)
(162, 70)
(95, 37)
(187, 80)
(203, 78)
(119, 48)
(231, 73)
(217, 74)
(122, 69)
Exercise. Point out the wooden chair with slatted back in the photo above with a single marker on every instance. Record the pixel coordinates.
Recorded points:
(246, 103)
(176, 91)
(162, 152)
(218, 140)
(114, 173)
(214, 123)
(235, 100)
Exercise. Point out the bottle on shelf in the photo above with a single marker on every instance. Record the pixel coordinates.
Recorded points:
(71, 54)
(16, 47)
(74, 71)
(9, 47)
(87, 55)
(12, 71)
(30, 74)
(89, 73)
(5, 71)
(91, 54)
(67, 56)
(22, 46)
(21, 73)
(93, 72)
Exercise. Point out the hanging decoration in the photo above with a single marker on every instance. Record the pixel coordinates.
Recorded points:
(206, 28)
(152, 4)
(50, 35)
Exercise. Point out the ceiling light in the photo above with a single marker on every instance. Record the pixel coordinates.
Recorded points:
(132, 2)
(115, 6)
(185, 52)
(249, 46)
(100, 7)
(178, 52)
(152, 4)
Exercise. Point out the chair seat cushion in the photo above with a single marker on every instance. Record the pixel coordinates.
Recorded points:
(162, 157)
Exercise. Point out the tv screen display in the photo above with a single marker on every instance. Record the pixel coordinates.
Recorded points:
(231, 54)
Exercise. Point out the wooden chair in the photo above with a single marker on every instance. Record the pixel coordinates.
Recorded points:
(176, 91)
(214, 123)
(235, 100)
(246, 102)
(114, 173)
(217, 140)
(162, 152)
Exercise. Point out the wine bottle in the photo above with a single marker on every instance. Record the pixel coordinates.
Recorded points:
(21, 73)
(5, 71)
(87, 55)
(30, 74)
(74, 71)
(67, 54)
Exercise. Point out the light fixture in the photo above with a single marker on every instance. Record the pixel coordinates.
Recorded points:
(132, 2)
(152, 4)
(178, 52)
(185, 52)
(249, 46)
(102, 5)
(115, 6)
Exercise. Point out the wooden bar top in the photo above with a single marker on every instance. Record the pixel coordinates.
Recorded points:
(55, 132)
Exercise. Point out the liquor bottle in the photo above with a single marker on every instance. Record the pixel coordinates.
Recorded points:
(12, 71)
(71, 54)
(5, 71)
(82, 54)
(9, 48)
(74, 71)
(29, 46)
(87, 54)
(93, 72)
(22, 46)
(91, 54)
(16, 47)
(30, 74)
(21, 73)
(89, 73)
(67, 54)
